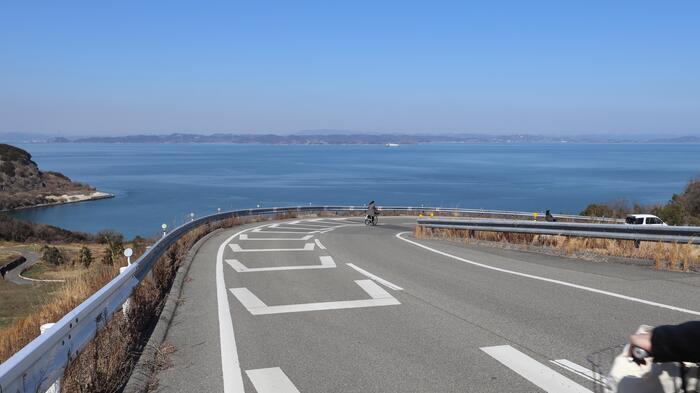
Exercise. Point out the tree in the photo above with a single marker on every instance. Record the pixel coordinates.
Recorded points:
(598, 210)
(52, 255)
(85, 257)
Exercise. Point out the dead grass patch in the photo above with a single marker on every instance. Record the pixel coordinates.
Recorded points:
(666, 256)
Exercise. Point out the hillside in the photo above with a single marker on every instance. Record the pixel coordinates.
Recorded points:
(22, 184)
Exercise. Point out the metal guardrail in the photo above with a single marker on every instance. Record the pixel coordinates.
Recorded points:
(36, 366)
(672, 234)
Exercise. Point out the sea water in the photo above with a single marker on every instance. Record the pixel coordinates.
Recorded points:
(164, 183)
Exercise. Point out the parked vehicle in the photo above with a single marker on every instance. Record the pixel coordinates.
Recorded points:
(643, 219)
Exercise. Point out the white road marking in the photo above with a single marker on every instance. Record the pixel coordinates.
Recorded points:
(319, 224)
(230, 365)
(375, 278)
(326, 263)
(553, 281)
(578, 370)
(379, 297)
(271, 380)
(259, 230)
(306, 228)
(246, 237)
(237, 248)
(542, 376)
(321, 246)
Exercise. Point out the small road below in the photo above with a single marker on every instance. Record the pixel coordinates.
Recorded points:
(331, 305)
(14, 274)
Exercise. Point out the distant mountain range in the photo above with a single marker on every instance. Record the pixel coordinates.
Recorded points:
(343, 137)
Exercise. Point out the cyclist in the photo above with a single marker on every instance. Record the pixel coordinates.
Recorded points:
(372, 212)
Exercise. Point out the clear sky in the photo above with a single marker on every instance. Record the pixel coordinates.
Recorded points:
(558, 67)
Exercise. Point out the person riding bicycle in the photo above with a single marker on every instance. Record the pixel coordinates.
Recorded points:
(372, 211)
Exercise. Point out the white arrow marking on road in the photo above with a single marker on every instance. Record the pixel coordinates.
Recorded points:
(375, 278)
(305, 228)
(260, 230)
(532, 370)
(379, 297)
(271, 380)
(237, 248)
(246, 237)
(230, 365)
(326, 263)
(551, 280)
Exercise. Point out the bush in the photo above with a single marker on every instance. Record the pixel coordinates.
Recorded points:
(85, 257)
(671, 214)
(23, 231)
(8, 168)
(53, 256)
(598, 210)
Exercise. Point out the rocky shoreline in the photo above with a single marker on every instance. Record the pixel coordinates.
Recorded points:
(65, 199)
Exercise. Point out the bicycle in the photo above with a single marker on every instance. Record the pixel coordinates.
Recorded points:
(371, 220)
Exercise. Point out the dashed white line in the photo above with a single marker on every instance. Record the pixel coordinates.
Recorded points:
(553, 281)
(375, 278)
(540, 375)
(321, 246)
(379, 297)
(271, 380)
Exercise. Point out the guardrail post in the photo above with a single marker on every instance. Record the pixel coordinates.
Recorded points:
(127, 303)
(56, 386)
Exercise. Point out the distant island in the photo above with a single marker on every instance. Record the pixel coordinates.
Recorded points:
(333, 137)
(371, 139)
(23, 185)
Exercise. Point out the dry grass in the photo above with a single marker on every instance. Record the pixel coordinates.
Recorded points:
(64, 299)
(666, 256)
(106, 363)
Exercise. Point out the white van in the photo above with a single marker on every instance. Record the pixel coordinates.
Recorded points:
(643, 219)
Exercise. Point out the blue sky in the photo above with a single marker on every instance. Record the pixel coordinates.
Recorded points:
(560, 67)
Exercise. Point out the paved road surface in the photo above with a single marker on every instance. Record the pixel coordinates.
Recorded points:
(323, 305)
(13, 275)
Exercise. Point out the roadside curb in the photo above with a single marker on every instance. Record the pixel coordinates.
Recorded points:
(139, 378)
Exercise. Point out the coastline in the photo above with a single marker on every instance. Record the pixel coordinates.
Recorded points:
(65, 199)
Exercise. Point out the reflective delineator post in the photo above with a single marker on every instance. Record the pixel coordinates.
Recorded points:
(56, 386)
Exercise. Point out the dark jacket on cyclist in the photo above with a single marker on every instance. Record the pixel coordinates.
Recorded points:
(676, 343)
(371, 209)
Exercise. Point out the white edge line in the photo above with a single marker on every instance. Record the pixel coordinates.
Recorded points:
(553, 281)
(230, 365)
(375, 278)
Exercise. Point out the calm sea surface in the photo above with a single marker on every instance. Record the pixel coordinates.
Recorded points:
(158, 183)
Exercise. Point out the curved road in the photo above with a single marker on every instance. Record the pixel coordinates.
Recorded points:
(14, 274)
(330, 305)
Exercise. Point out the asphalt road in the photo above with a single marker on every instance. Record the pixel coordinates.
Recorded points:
(336, 306)
(13, 275)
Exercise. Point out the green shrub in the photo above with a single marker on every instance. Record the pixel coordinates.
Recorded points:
(53, 256)
(85, 257)
(598, 210)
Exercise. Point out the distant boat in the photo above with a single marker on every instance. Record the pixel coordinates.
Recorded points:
(392, 145)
